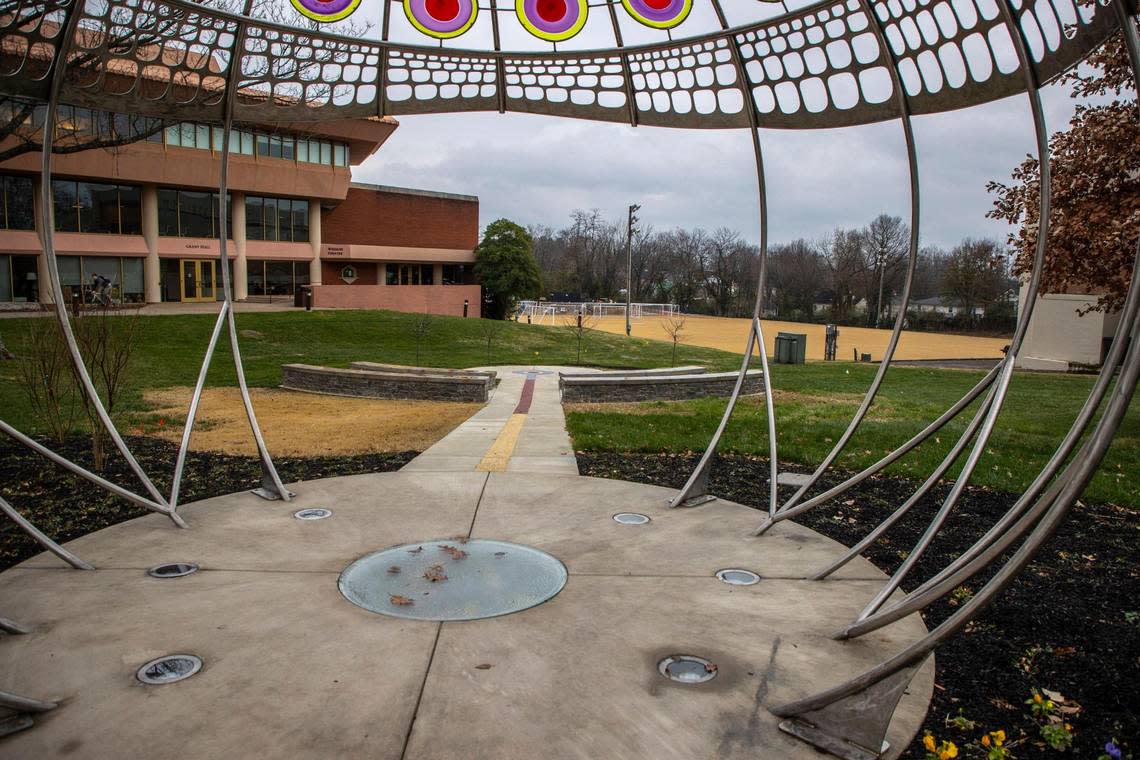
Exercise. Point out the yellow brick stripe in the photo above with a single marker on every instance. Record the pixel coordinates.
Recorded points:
(496, 458)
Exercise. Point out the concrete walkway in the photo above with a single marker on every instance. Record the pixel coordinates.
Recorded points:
(521, 429)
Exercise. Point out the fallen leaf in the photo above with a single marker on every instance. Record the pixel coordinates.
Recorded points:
(402, 601)
(394, 570)
(435, 574)
(484, 666)
(455, 553)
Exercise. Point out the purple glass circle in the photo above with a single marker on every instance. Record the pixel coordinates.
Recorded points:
(659, 16)
(325, 7)
(419, 12)
(559, 26)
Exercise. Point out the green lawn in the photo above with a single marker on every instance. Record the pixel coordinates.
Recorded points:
(171, 347)
(814, 401)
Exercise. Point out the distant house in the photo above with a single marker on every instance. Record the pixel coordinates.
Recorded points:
(825, 299)
(945, 307)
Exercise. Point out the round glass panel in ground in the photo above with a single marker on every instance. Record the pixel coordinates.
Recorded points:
(737, 577)
(318, 513)
(687, 668)
(630, 518)
(168, 669)
(172, 570)
(447, 579)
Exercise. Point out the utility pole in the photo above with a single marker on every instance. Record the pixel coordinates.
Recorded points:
(882, 272)
(629, 267)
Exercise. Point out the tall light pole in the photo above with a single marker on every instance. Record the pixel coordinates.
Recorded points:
(629, 267)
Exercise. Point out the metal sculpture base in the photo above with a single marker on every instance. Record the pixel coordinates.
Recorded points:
(268, 489)
(694, 501)
(850, 726)
(828, 743)
(270, 494)
(14, 724)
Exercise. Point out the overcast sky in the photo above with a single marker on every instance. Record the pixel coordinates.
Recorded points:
(537, 169)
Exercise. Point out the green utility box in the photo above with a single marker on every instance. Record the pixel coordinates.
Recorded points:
(791, 348)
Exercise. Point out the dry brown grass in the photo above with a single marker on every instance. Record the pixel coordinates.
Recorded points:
(304, 424)
(730, 335)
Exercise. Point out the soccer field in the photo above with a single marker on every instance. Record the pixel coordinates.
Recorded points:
(729, 334)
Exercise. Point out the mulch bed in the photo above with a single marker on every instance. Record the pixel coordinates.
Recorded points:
(65, 506)
(1069, 624)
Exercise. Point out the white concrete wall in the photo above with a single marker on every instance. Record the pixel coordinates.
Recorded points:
(1058, 337)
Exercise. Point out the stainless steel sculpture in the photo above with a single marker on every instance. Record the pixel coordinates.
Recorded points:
(828, 64)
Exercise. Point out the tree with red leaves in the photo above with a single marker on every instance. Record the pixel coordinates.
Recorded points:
(1095, 176)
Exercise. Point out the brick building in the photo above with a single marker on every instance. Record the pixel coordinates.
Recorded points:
(145, 216)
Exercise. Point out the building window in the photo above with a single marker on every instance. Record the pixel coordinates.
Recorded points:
(76, 274)
(19, 211)
(454, 274)
(408, 274)
(96, 207)
(195, 214)
(282, 219)
(19, 281)
(276, 278)
(191, 213)
(203, 137)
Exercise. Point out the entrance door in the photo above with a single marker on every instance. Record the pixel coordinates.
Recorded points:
(198, 279)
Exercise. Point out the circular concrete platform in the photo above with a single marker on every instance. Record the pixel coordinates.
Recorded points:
(291, 668)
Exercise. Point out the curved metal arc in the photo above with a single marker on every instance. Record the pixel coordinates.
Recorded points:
(947, 462)
(697, 483)
(269, 471)
(1073, 481)
(195, 399)
(103, 483)
(1001, 535)
(889, 459)
(47, 240)
(42, 538)
(13, 628)
(1025, 512)
(935, 525)
(25, 704)
(1006, 375)
(698, 479)
(888, 57)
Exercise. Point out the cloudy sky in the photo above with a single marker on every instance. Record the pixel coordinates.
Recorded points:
(537, 169)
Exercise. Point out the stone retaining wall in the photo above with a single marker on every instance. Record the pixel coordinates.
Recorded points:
(690, 369)
(395, 385)
(603, 388)
(405, 369)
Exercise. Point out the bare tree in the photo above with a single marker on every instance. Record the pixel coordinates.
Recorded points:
(107, 339)
(796, 274)
(845, 254)
(47, 380)
(490, 329)
(421, 326)
(674, 325)
(577, 324)
(887, 243)
(976, 274)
